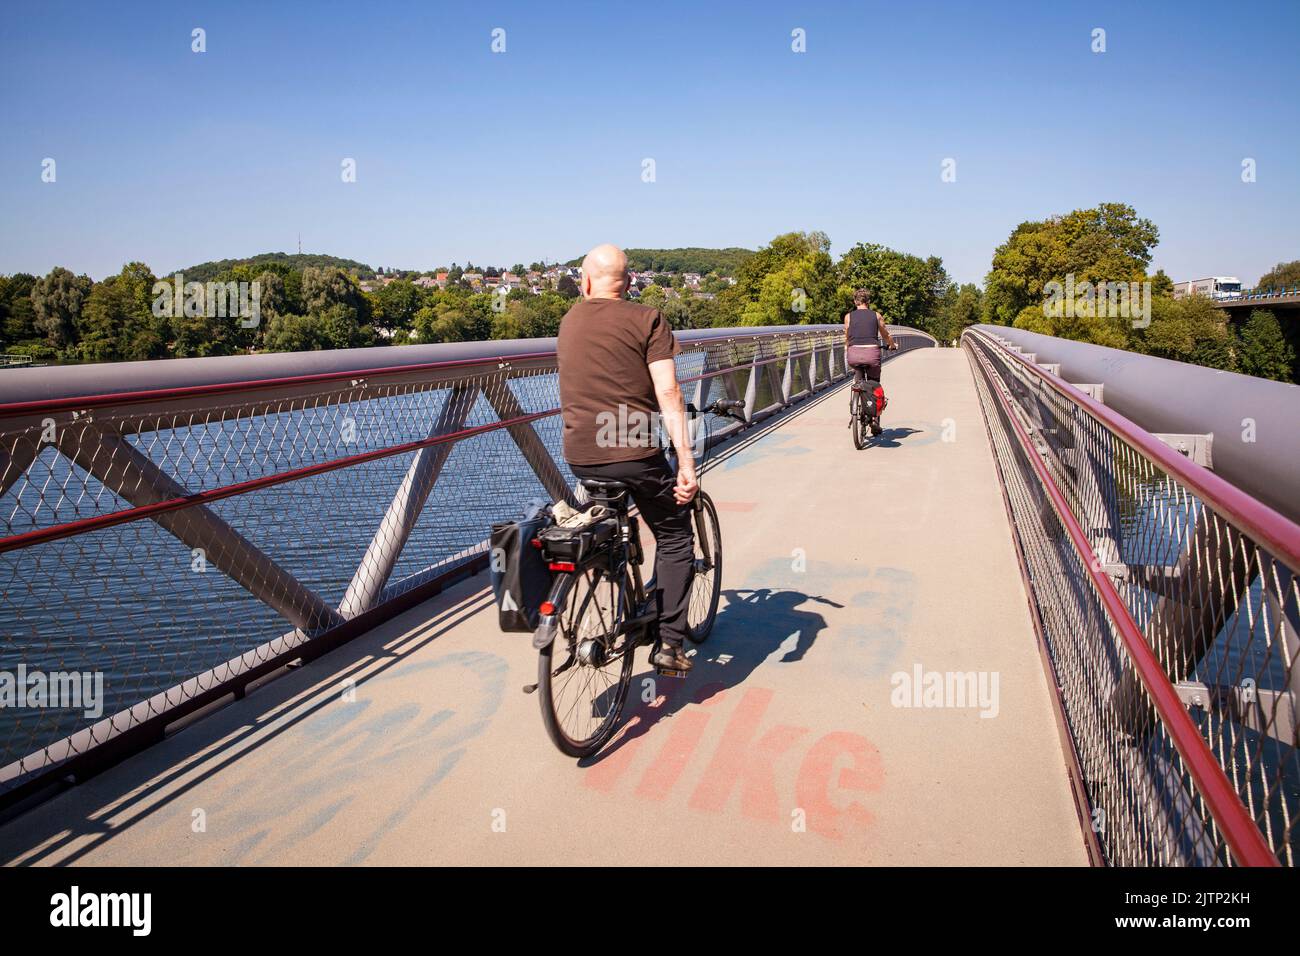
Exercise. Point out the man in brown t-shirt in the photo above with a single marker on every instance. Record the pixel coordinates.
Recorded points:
(617, 372)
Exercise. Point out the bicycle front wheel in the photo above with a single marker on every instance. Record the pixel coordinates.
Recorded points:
(583, 675)
(706, 575)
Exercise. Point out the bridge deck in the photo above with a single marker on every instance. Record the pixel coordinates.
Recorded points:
(415, 745)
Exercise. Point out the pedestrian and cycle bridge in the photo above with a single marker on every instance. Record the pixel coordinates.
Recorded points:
(1048, 616)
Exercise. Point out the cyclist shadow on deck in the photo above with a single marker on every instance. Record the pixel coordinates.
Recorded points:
(889, 437)
(754, 624)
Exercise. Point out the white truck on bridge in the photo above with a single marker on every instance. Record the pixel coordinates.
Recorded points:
(1215, 287)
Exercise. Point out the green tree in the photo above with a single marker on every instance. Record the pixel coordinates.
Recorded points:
(1108, 243)
(454, 315)
(118, 320)
(1284, 275)
(323, 288)
(958, 308)
(904, 288)
(791, 280)
(1161, 284)
(1189, 330)
(274, 296)
(341, 327)
(295, 333)
(653, 296)
(1263, 350)
(18, 329)
(394, 305)
(57, 301)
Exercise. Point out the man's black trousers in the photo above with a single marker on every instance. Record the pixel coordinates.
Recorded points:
(651, 482)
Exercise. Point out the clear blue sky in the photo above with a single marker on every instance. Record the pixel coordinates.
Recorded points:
(173, 157)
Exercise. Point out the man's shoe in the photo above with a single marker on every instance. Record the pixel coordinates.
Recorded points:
(875, 428)
(671, 658)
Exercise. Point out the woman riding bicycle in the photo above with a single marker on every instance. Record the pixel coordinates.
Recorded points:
(863, 330)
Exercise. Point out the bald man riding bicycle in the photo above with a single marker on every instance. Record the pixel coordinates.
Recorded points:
(616, 365)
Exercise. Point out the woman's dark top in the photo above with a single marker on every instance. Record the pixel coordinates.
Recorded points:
(864, 327)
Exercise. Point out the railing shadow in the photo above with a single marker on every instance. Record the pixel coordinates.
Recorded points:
(160, 775)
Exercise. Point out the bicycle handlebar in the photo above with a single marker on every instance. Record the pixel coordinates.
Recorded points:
(723, 408)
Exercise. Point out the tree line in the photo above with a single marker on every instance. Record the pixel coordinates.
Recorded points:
(724, 262)
(794, 279)
(1111, 246)
(64, 317)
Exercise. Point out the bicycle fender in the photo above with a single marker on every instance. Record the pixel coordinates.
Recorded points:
(549, 624)
(547, 627)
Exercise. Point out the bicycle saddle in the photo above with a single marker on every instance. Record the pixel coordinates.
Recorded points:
(603, 488)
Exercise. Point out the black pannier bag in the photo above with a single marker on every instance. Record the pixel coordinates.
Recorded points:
(520, 577)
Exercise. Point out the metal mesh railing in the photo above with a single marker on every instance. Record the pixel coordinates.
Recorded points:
(175, 544)
(1167, 602)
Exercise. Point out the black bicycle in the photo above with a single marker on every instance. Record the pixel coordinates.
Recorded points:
(598, 611)
(866, 403)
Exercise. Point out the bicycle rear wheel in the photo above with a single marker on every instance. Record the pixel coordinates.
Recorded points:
(582, 695)
(859, 425)
(706, 576)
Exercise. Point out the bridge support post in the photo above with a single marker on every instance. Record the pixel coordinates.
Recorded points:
(1209, 580)
(15, 462)
(534, 450)
(1286, 611)
(751, 386)
(376, 567)
(730, 380)
(774, 379)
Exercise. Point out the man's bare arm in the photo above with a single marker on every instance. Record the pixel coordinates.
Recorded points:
(673, 411)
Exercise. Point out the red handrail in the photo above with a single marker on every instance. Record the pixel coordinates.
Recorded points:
(1275, 532)
(78, 402)
(1241, 834)
(97, 522)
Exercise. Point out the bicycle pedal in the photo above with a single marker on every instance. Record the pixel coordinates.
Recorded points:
(530, 688)
(665, 672)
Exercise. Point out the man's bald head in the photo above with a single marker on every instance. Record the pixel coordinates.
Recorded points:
(604, 273)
